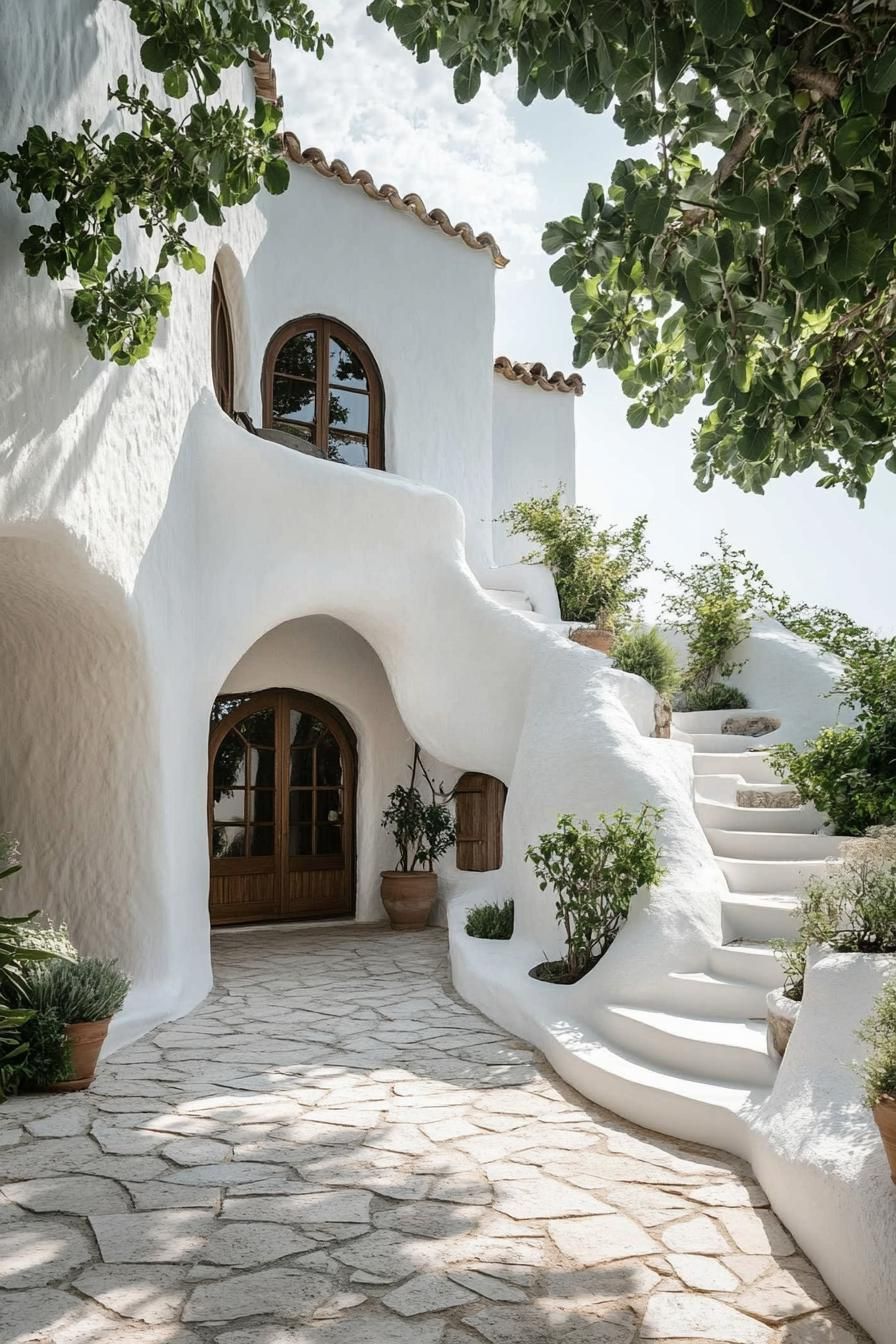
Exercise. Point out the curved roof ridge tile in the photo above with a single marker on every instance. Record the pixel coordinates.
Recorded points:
(536, 375)
(411, 203)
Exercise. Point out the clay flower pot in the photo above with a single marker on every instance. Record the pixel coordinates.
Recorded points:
(408, 898)
(86, 1041)
(593, 638)
(885, 1115)
(781, 1014)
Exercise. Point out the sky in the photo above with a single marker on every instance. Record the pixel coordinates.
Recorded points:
(508, 169)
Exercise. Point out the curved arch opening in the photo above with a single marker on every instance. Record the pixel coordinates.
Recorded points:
(322, 392)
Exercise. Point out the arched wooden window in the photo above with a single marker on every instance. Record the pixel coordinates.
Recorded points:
(479, 816)
(321, 384)
(222, 345)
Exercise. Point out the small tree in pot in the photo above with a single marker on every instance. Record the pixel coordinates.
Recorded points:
(595, 873)
(879, 1070)
(423, 832)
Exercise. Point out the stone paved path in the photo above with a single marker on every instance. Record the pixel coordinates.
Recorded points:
(334, 1149)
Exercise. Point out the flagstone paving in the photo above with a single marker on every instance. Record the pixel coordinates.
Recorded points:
(335, 1149)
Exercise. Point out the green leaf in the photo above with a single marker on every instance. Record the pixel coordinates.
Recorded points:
(636, 415)
(155, 54)
(881, 76)
(276, 176)
(770, 202)
(720, 19)
(651, 211)
(755, 443)
(176, 82)
(814, 214)
(852, 254)
(857, 139)
(467, 78)
(813, 180)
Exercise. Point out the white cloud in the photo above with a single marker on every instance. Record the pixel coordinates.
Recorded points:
(369, 102)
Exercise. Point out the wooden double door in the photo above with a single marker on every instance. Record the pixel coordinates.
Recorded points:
(281, 808)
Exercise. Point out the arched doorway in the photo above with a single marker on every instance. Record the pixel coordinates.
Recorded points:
(281, 808)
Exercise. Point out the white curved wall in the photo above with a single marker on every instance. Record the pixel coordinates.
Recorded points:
(534, 453)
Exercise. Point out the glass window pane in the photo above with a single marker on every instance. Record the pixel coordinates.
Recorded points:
(230, 807)
(230, 764)
(228, 842)
(301, 802)
(258, 728)
(297, 356)
(329, 839)
(261, 805)
(298, 431)
(351, 452)
(301, 766)
(293, 400)
(345, 366)
(304, 729)
(262, 840)
(329, 805)
(299, 840)
(329, 762)
(348, 410)
(261, 767)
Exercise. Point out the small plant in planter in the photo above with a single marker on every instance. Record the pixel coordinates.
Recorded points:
(423, 832)
(852, 910)
(879, 1070)
(595, 872)
(72, 1003)
(490, 921)
(596, 569)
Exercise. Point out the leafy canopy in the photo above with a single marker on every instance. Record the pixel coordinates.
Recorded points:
(748, 256)
(170, 168)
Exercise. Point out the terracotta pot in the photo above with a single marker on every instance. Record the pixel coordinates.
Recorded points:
(593, 638)
(408, 898)
(86, 1041)
(885, 1115)
(781, 1014)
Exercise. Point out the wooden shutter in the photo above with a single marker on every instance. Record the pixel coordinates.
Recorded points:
(479, 814)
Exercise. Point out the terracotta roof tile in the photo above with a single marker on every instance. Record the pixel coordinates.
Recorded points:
(266, 87)
(536, 375)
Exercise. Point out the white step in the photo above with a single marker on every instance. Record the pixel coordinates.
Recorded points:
(777, 845)
(726, 997)
(733, 1052)
(750, 766)
(772, 875)
(759, 916)
(715, 815)
(509, 597)
(718, 744)
(745, 961)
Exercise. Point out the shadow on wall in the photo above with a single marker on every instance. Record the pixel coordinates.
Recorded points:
(74, 741)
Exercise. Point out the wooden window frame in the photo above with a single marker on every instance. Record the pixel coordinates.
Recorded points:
(481, 851)
(325, 328)
(223, 359)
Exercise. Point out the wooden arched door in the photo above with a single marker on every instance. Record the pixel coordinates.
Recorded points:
(281, 808)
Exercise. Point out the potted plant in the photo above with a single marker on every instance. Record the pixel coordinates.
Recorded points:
(851, 910)
(423, 832)
(879, 1069)
(72, 1003)
(595, 568)
(595, 873)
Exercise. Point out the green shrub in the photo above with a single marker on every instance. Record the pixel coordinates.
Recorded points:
(849, 772)
(490, 920)
(78, 991)
(646, 654)
(595, 873)
(712, 606)
(852, 910)
(878, 1031)
(49, 1052)
(595, 569)
(715, 696)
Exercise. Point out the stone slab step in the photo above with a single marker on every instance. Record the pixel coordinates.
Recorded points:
(716, 815)
(776, 845)
(750, 766)
(771, 876)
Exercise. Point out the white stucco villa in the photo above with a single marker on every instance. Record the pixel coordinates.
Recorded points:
(275, 537)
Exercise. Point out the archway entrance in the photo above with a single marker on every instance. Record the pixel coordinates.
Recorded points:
(281, 808)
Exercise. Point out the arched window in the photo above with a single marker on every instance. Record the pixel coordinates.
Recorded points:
(321, 384)
(222, 345)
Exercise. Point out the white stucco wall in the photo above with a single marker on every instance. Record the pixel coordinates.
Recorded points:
(534, 453)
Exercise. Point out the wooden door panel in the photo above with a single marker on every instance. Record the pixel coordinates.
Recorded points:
(305, 747)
